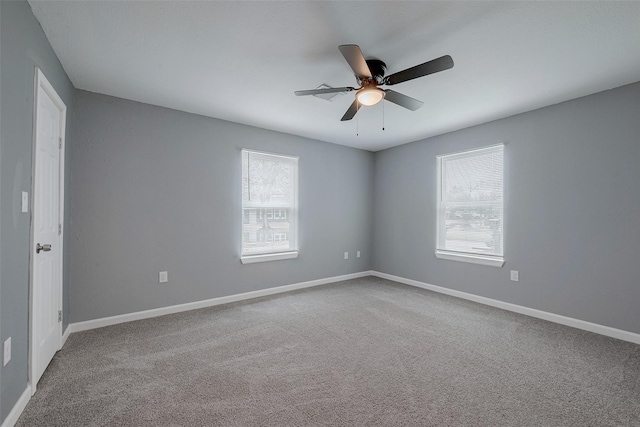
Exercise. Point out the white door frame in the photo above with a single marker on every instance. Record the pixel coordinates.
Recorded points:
(41, 82)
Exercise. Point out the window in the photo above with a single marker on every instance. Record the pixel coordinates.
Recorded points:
(279, 237)
(470, 207)
(270, 196)
(280, 214)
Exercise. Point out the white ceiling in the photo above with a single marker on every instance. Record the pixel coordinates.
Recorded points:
(242, 61)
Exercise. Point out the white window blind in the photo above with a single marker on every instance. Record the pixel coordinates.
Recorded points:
(470, 205)
(269, 203)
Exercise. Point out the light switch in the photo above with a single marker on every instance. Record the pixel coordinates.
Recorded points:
(7, 352)
(25, 202)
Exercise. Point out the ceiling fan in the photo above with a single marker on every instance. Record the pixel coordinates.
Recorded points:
(370, 75)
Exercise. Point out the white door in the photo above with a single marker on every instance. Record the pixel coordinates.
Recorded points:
(46, 248)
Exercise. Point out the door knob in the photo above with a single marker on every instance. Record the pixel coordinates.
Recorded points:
(45, 248)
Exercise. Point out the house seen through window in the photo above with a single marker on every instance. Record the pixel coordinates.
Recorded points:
(470, 206)
(269, 203)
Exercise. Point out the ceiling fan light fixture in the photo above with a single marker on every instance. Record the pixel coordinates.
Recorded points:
(370, 73)
(369, 95)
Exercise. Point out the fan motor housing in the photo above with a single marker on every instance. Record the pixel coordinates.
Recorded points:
(377, 68)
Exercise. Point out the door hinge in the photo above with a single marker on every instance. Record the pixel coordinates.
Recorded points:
(59, 229)
(60, 143)
(59, 315)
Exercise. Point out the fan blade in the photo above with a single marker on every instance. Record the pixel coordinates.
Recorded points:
(353, 109)
(354, 57)
(328, 90)
(402, 100)
(433, 66)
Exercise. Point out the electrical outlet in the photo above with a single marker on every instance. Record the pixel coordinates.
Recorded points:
(163, 277)
(514, 276)
(346, 255)
(7, 351)
(358, 254)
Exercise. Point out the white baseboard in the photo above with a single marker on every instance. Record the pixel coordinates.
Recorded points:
(13, 416)
(139, 315)
(65, 335)
(551, 317)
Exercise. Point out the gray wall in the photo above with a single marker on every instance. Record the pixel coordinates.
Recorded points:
(157, 189)
(572, 210)
(23, 46)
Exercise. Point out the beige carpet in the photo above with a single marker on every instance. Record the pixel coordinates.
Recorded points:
(365, 352)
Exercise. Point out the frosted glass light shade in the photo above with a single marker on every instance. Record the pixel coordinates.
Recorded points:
(369, 96)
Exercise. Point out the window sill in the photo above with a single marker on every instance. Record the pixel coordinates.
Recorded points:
(474, 259)
(250, 259)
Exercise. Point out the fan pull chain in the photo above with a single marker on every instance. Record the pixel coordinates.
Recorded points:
(357, 118)
(383, 114)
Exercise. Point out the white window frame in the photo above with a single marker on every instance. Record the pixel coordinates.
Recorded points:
(293, 219)
(475, 258)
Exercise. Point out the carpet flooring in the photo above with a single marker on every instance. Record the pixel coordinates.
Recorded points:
(364, 352)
